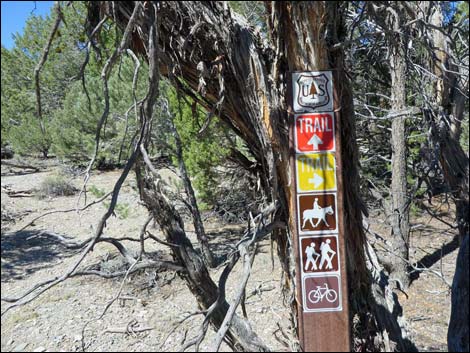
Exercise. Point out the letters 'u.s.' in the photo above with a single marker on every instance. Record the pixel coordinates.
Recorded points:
(316, 191)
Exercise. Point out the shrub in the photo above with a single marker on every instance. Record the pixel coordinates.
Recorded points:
(121, 210)
(56, 185)
(7, 214)
(96, 191)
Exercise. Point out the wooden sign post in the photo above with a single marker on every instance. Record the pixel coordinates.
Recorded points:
(319, 234)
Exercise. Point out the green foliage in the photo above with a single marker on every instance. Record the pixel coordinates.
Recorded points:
(70, 120)
(253, 11)
(122, 210)
(75, 124)
(96, 191)
(20, 124)
(461, 11)
(203, 153)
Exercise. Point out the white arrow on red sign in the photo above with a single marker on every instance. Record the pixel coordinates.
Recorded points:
(315, 141)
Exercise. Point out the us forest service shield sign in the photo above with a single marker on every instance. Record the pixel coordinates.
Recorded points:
(313, 92)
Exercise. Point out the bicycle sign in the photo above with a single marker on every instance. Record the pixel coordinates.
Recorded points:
(322, 293)
(317, 295)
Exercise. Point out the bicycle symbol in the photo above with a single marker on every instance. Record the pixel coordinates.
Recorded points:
(318, 294)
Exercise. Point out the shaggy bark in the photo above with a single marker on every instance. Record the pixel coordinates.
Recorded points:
(445, 123)
(445, 132)
(399, 194)
(391, 16)
(459, 332)
(197, 220)
(214, 56)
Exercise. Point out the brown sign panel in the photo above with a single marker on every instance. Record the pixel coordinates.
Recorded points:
(319, 254)
(317, 213)
(322, 293)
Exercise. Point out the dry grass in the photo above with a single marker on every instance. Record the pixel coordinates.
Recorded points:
(56, 185)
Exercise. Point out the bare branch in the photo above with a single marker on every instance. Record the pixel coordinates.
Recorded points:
(104, 77)
(38, 68)
(104, 197)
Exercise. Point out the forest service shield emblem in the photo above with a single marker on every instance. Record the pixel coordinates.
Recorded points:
(313, 92)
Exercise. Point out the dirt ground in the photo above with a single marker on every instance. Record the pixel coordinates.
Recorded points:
(158, 300)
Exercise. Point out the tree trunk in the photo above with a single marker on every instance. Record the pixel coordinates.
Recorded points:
(444, 121)
(196, 215)
(298, 30)
(459, 332)
(217, 59)
(240, 335)
(399, 194)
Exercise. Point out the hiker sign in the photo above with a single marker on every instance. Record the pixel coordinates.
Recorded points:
(314, 132)
(319, 254)
(312, 91)
(317, 199)
(315, 172)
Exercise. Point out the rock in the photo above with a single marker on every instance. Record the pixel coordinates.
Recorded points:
(58, 339)
(40, 349)
(20, 347)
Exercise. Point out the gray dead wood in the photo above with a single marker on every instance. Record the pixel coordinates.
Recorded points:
(203, 45)
(197, 277)
(459, 332)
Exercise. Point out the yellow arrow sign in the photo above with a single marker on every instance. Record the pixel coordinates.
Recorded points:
(315, 172)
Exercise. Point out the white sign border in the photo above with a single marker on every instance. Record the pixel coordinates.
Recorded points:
(297, 151)
(322, 310)
(320, 272)
(316, 232)
(329, 89)
(297, 177)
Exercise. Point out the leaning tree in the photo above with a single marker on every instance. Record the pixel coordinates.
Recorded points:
(213, 55)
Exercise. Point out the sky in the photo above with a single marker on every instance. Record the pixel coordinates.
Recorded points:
(15, 14)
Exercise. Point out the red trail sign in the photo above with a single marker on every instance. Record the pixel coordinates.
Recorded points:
(314, 132)
(317, 196)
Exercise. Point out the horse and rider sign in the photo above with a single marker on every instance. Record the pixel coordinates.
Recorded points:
(317, 213)
(314, 144)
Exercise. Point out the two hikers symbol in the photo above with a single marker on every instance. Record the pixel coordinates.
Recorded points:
(327, 254)
(317, 212)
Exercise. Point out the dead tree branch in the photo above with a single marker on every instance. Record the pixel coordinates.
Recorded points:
(37, 70)
(104, 197)
(104, 77)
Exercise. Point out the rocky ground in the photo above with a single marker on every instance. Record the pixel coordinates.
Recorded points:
(68, 316)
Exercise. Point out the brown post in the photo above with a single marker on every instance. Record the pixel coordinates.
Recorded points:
(317, 189)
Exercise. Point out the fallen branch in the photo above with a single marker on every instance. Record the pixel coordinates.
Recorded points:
(243, 246)
(66, 211)
(22, 166)
(260, 289)
(128, 329)
(20, 193)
